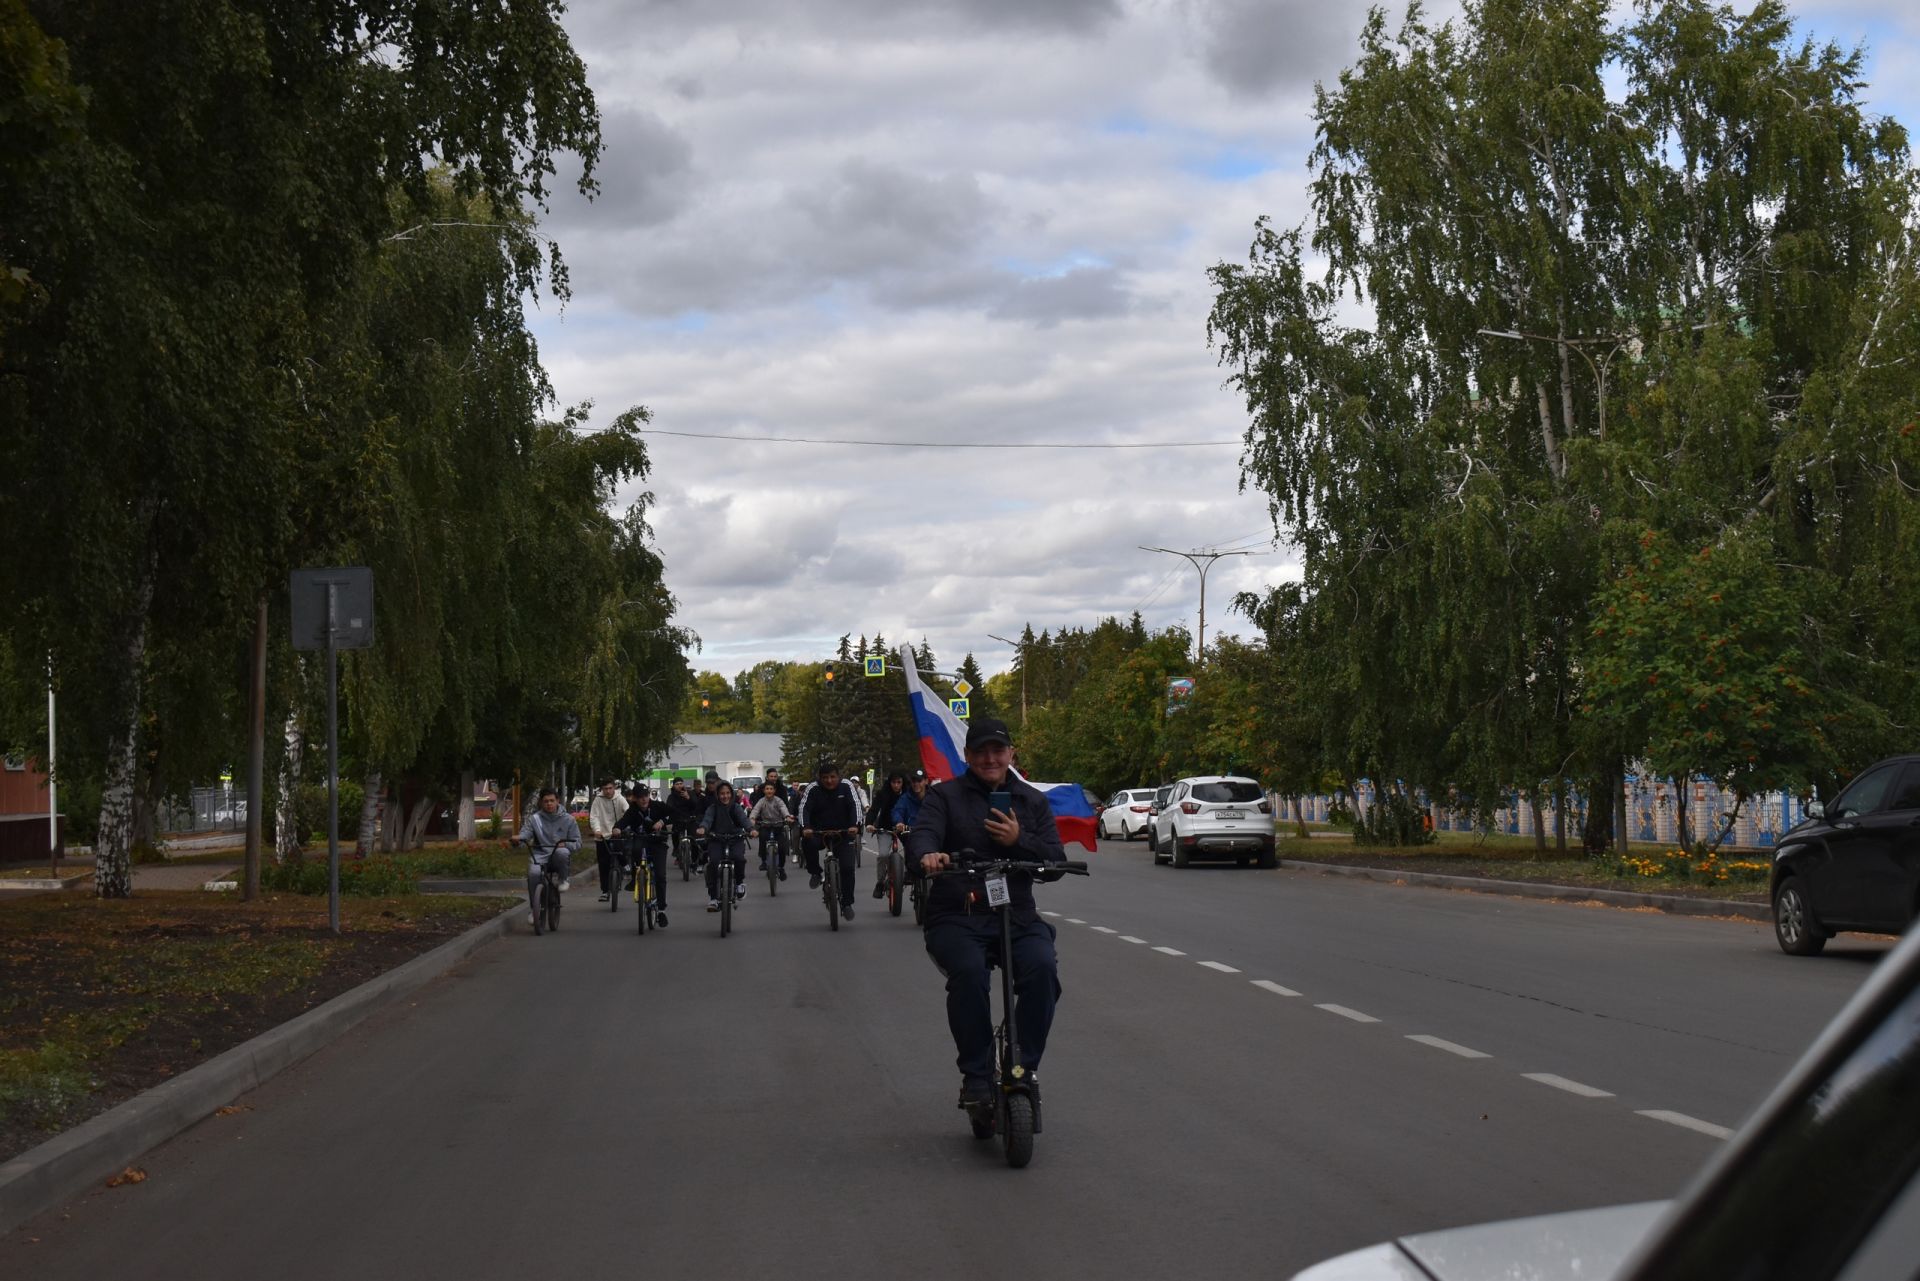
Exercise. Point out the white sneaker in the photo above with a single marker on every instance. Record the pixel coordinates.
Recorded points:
(532, 919)
(565, 886)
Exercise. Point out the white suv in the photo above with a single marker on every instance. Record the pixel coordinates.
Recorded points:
(1215, 816)
(1125, 816)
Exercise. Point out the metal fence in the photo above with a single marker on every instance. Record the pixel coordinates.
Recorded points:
(207, 809)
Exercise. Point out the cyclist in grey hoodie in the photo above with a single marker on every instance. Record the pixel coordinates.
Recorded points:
(551, 833)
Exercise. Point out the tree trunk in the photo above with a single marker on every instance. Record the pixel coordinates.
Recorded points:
(1620, 829)
(392, 817)
(1539, 824)
(256, 753)
(369, 815)
(1682, 819)
(464, 812)
(415, 833)
(1560, 816)
(1299, 819)
(288, 839)
(113, 849)
(1598, 838)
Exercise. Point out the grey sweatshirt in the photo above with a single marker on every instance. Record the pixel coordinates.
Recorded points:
(547, 832)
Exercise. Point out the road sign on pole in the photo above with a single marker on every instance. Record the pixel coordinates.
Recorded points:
(877, 666)
(332, 609)
(963, 687)
(959, 706)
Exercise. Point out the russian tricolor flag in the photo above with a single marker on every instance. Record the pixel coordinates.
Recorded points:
(943, 740)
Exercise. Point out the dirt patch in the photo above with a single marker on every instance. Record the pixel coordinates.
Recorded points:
(100, 1000)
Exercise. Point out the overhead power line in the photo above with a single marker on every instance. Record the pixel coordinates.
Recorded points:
(941, 444)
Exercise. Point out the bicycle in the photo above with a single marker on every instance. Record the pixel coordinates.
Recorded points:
(617, 849)
(773, 854)
(1015, 1109)
(683, 853)
(546, 909)
(893, 868)
(726, 887)
(830, 869)
(643, 890)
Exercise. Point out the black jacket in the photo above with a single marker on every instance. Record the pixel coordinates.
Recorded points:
(832, 811)
(685, 809)
(954, 818)
(639, 821)
(880, 813)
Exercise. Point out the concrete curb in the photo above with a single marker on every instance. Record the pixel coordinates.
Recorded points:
(1677, 904)
(87, 1155)
(43, 882)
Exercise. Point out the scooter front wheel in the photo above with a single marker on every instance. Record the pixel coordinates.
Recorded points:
(1019, 1135)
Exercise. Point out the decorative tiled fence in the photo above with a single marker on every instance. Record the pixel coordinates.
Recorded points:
(1651, 813)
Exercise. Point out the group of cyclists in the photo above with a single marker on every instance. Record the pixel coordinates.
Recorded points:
(933, 822)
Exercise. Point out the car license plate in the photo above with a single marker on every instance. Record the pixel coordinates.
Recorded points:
(1228, 814)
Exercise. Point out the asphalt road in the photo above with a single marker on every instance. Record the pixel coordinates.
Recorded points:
(593, 1103)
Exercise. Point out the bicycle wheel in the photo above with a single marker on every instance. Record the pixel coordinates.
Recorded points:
(540, 908)
(613, 890)
(683, 855)
(1019, 1135)
(830, 886)
(726, 897)
(896, 876)
(553, 903)
(643, 893)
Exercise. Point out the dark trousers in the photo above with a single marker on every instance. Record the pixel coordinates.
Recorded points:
(773, 840)
(846, 850)
(967, 948)
(609, 864)
(733, 848)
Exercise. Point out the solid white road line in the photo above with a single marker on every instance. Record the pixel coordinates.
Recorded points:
(1101, 929)
(1128, 938)
(1074, 920)
(1346, 1013)
(1215, 965)
(1274, 988)
(1169, 951)
(1686, 1122)
(1571, 1087)
(1449, 1046)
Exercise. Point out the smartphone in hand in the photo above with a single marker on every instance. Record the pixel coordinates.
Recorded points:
(1000, 802)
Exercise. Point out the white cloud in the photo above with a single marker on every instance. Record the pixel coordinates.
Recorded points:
(978, 220)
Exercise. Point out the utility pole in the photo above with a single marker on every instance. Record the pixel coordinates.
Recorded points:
(1196, 559)
(1022, 651)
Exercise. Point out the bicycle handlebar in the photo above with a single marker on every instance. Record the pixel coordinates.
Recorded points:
(969, 863)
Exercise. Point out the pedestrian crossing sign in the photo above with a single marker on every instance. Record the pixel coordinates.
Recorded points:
(877, 666)
(959, 706)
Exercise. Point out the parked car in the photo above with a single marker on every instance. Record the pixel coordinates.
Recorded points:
(1822, 1184)
(1125, 814)
(1854, 864)
(1215, 816)
(1155, 808)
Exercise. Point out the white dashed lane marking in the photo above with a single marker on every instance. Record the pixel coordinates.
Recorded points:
(1686, 1122)
(1680, 1119)
(1571, 1087)
(1346, 1013)
(1449, 1046)
(1054, 915)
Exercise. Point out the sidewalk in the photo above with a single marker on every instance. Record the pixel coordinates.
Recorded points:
(182, 876)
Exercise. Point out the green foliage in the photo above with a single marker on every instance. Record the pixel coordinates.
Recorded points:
(1394, 818)
(377, 877)
(1649, 273)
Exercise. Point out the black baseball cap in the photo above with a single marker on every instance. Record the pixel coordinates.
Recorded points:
(988, 731)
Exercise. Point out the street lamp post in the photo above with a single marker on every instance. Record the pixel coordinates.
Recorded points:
(1196, 559)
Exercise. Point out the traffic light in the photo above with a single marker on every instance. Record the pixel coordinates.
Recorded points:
(829, 675)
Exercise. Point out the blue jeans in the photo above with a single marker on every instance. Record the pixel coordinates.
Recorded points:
(966, 949)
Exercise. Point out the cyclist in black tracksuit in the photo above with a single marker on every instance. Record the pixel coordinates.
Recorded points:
(648, 824)
(687, 809)
(831, 806)
(963, 938)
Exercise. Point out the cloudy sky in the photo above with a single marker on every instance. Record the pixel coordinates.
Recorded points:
(950, 220)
